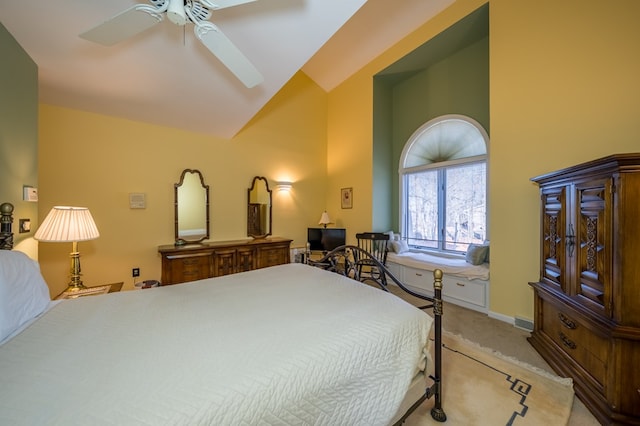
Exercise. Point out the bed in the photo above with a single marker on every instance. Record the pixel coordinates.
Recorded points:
(290, 344)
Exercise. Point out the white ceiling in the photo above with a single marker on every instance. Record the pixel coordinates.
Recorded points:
(166, 76)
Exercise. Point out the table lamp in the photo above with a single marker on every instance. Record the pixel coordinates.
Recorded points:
(69, 224)
(324, 219)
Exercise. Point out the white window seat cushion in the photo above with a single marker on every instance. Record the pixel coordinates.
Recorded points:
(449, 265)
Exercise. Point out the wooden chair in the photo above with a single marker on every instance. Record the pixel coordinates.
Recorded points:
(374, 243)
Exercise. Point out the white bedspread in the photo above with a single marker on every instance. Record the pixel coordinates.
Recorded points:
(289, 344)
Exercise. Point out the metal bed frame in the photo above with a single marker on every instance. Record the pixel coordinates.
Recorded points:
(6, 222)
(351, 261)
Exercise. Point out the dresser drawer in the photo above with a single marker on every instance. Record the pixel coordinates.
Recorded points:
(569, 331)
(216, 258)
(189, 268)
(273, 255)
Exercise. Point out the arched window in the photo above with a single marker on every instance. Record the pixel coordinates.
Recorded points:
(443, 185)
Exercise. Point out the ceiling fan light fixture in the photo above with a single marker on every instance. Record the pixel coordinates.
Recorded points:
(176, 13)
(180, 12)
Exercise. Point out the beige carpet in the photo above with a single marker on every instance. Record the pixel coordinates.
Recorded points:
(482, 387)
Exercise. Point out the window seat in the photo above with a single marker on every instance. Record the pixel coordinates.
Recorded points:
(449, 265)
(463, 284)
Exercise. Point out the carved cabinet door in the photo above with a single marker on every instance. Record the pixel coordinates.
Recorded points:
(246, 259)
(592, 261)
(224, 262)
(556, 238)
(577, 241)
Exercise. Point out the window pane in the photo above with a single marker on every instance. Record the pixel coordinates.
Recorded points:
(465, 204)
(422, 209)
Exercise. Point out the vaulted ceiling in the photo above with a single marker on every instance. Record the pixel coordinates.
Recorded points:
(165, 76)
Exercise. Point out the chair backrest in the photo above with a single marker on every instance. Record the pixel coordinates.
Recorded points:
(375, 243)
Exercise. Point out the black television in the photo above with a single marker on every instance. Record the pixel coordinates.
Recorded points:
(326, 239)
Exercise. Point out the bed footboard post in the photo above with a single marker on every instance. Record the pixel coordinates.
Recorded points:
(437, 412)
(6, 220)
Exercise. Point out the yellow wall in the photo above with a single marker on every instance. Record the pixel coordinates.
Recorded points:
(96, 161)
(564, 89)
(350, 157)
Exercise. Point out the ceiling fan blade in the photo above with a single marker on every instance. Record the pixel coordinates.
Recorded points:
(228, 54)
(124, 25)
(221, 4)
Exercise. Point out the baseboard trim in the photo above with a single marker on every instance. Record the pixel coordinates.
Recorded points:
(501, 317)
(517, 322)
(523, 323)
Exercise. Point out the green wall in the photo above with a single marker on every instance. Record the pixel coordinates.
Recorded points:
(457, 84)
(18, 133)
(383, 166)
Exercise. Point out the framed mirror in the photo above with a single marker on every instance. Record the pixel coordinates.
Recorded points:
(191, 208)
(259, 208)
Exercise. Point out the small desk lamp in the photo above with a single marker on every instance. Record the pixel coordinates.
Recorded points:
(69, 224)
(324, 219)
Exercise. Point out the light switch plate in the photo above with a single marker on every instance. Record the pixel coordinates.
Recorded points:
(30, 193)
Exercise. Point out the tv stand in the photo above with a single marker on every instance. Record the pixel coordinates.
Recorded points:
(315, 254)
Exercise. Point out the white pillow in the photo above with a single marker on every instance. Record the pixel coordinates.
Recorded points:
(399, 246)
(23, 292)
(477, 254)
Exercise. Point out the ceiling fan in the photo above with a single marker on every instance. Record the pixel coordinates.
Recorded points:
(142, 16)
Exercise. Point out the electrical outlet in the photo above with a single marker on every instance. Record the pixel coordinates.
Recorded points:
(25, 225)
(135, 272)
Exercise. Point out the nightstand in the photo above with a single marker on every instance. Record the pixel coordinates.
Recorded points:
(90, 291)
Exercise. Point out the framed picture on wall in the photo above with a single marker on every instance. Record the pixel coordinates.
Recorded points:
(346, 198)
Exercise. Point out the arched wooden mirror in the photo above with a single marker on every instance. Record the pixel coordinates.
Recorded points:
(259, 208)
(192, 208)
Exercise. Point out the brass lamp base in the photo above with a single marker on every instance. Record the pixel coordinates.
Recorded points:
(73, 287)
(76, 282)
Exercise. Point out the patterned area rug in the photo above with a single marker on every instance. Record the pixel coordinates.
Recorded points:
(482, 387)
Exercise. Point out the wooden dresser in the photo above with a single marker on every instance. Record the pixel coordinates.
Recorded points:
(587, 301)
(216, 258)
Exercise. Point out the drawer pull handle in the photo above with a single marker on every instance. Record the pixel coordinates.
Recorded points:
(567, 342)
(418, 274)
(567, 322)
(460, 284)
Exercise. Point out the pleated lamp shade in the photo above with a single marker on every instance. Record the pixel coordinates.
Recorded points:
(67, 224)
(324, 219)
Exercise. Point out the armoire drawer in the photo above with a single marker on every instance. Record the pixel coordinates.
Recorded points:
(568, 331)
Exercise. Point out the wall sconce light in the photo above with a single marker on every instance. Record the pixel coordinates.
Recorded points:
(283, 186)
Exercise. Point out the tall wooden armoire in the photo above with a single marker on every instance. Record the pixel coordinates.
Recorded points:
(587, 300)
